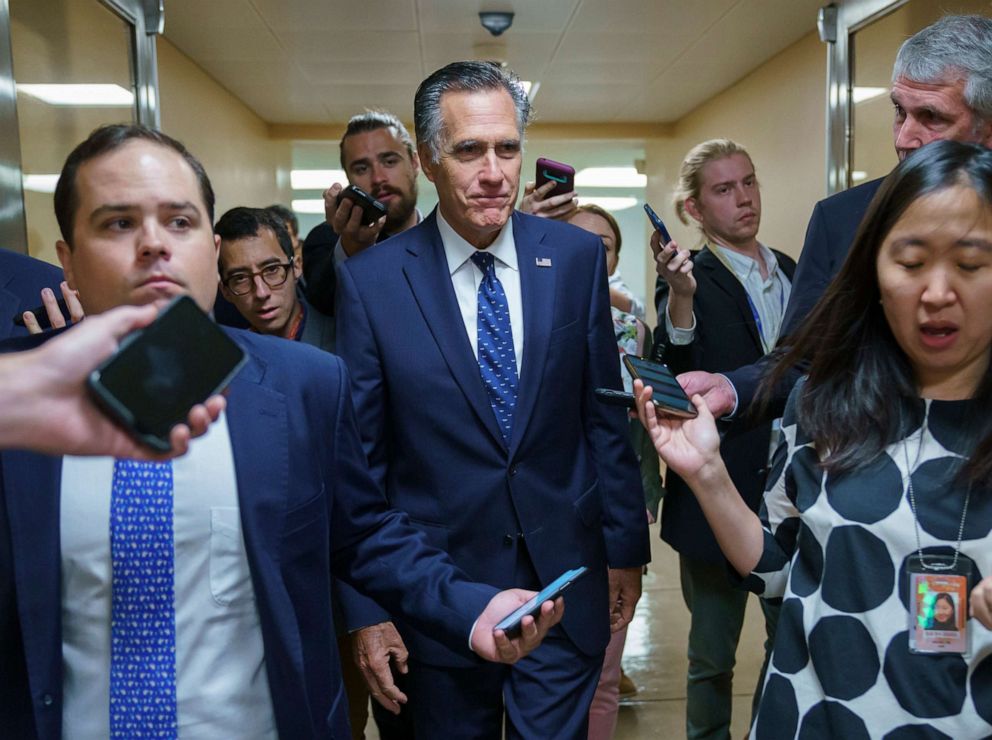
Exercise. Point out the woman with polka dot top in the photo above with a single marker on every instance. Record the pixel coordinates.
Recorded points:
(878, 509)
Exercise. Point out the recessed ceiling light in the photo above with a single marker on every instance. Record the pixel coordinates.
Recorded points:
(83, 96)
(610, 177)
(861, 94)
(40, 183)
(859, 175)
(608, 203)
(308, 205)
(316, 179)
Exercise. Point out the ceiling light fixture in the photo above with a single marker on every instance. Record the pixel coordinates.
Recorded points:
(609, 203)
(861, 94)
(82, 96)
(308, 205)
(315, 179)
(40, 183)
(496, 22)
(610, 177)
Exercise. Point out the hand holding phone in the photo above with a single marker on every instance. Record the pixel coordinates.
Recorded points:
(667, 394)
(372, 209)
(658, 224)
(562, 175)
(510, 624)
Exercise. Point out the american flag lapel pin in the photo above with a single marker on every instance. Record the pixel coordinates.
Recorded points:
(543, 261)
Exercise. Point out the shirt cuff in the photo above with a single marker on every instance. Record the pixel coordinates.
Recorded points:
(733, 411)
(679, 337)
(472, 632)
(339, 254)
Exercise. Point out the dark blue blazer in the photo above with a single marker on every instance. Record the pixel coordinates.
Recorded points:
(567, 487)
(21, 281)
(726, 336)
(307, 509)
(831, 231)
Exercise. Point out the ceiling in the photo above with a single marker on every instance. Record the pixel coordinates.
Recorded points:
(597, 61)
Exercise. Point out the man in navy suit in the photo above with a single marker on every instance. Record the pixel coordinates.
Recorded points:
(475, 341)
(231, 609)
(941, 89)
(22, 279)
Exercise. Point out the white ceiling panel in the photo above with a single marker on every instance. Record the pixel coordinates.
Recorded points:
(336, 15)
(547, 16)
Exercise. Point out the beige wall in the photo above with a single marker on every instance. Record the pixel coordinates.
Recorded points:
(778, 113)
(246, 167)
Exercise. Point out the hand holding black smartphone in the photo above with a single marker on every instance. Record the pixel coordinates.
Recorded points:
(666, 392)
(562, 175)
(160, 372)
(372, 209)
(510, 624)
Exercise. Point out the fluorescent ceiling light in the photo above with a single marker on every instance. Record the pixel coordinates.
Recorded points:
(610, 177)
(40, 183)
(859, 175)
(316, 179)
(608, 203)
(530, 88)
(861, 94)
(308, 205)
(88, 96)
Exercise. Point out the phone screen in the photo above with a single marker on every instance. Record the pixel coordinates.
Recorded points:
(163, 370)
(667, 394)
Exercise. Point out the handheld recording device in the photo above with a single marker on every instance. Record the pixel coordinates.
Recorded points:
(41, 314)
(510, 624)
(562, 174)
(160, 372)
(658, 224)
(616, 398)
(372, 209)
(666, 392)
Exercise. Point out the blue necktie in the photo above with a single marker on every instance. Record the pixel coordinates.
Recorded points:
(143, 617)
(497, 361)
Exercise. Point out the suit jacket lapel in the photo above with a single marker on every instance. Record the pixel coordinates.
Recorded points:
(537, 288)
(426, 270)
(728, 282)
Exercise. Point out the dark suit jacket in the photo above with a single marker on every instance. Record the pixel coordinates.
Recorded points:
(306, 510)
(831, 231)
(21, 281)
(567, 488)
(726, 336)
(318, 329)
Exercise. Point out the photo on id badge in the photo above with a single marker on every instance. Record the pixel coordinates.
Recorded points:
(940, 613)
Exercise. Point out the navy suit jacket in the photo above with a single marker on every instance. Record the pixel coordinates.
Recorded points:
(21, 281)
(726, 336)
(831, 231)
(567, 488)
(306, 510)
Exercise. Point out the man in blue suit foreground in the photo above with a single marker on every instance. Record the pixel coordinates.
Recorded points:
(475, 341)
(193, 597)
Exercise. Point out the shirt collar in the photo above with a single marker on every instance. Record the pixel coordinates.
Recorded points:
(742, 265)
(457, 251)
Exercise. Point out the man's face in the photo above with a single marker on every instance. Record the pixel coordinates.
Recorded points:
(378, 163)
(141, 233)
(729, 203)
(925, 113)
(269, 309)
(479, 168)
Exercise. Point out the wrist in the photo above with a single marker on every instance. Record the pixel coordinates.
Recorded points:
(710, 477)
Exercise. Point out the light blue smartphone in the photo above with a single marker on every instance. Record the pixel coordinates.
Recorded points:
(510, 624)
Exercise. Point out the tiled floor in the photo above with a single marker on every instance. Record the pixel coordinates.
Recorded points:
(655, 657)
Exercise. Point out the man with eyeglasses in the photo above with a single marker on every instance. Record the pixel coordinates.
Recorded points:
(259, 274)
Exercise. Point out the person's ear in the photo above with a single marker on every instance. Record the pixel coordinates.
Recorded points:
(692, 208)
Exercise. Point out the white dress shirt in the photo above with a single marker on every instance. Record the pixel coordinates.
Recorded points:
(466, 278)
(221, 686)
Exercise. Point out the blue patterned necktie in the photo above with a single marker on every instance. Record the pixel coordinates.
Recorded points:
(497, 361)
(143, 616)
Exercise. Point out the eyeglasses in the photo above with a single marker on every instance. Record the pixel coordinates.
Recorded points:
(242, 283)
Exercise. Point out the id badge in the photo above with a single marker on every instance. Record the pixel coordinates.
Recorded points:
(938, 602)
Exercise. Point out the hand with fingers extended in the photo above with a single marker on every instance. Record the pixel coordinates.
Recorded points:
(346, 220)
(494, 645)
(377, 650)
(56, 319)
(537, 203)
(46, 406)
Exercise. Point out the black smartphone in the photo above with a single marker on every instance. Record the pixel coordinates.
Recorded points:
(613, 397)
(658, 224)
(372, 209)
(562, 175)
(41, 314)
(667, 394)
(510, 624)
(160, 372)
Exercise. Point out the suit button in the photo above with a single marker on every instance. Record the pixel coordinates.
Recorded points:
(507, 539)
(513, 470)
(47, 699)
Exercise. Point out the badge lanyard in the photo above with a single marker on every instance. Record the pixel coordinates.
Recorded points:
(766, 345)
(939, 585)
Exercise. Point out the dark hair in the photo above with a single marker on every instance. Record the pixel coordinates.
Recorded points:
(373, 120)
(242, 222)
(861, 394)
(286, 216)
(462, 77)
(944, 596)
(103, 141)
(597, 210)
